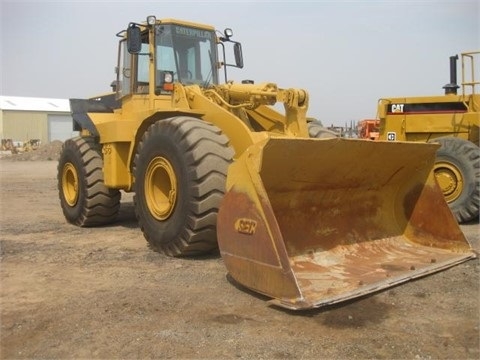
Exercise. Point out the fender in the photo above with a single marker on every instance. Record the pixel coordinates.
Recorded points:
(81, 107)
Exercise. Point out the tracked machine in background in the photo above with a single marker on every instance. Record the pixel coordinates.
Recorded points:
(299, 215)
(451, 120)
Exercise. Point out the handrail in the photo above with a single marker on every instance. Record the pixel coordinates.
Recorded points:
(468, 58)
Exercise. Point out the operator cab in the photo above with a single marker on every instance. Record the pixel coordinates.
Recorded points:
(174, 51)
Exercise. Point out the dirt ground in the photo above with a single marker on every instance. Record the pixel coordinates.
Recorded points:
(101, 293)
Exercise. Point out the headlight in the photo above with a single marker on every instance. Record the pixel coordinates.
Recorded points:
(168, 77)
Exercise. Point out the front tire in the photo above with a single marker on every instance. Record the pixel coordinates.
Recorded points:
(457, 171)
(84, 198)
(180, 172)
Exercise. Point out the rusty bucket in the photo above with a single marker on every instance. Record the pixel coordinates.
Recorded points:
(313, 222)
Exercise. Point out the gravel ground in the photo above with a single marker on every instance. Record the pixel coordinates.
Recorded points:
(69, 292)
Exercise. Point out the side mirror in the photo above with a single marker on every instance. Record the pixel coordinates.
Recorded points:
(237, 50)
(134, 39)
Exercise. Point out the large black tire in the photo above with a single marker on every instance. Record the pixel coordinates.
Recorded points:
(457, 170)
(317, 131)
(84, 198)
(180, 171)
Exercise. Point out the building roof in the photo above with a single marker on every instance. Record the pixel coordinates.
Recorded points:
(34, 104)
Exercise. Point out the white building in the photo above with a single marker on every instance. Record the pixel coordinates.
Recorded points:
(27, 118)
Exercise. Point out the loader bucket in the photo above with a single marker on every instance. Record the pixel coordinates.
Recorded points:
(313, 222)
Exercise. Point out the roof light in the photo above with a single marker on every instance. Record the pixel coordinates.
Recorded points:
(228, 33)
(151, 20)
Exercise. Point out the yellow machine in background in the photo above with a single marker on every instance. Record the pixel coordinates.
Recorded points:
(298, 214)
(452, 121)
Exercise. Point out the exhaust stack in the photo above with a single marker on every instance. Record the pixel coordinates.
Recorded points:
(453, 86)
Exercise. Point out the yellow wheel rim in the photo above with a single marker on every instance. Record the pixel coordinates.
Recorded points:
(160, 188)
(70, 184)
(450, 180)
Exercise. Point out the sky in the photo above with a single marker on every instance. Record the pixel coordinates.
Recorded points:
(346, 54)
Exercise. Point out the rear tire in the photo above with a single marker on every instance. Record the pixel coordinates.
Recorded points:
(457, 170)
(84, 198)
(180, 173)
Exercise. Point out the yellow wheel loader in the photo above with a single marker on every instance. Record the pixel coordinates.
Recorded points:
(452, 121)
(298, 214)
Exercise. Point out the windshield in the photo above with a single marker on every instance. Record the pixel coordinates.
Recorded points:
(189, 53)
